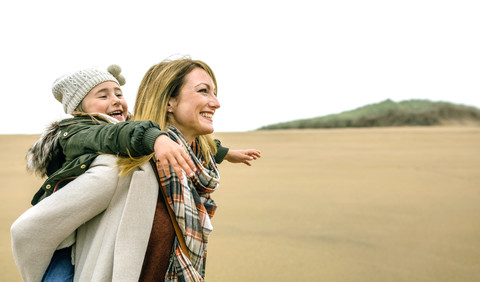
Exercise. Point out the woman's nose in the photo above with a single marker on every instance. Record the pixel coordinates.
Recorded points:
(214, 102)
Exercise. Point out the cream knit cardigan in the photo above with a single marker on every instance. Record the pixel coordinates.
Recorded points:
(112, 216)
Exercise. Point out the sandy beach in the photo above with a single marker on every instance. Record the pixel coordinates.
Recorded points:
(376, 204)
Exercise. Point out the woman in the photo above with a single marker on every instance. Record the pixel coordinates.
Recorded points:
(124, 232)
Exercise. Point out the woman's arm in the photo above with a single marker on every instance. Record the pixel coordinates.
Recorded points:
(38, 232)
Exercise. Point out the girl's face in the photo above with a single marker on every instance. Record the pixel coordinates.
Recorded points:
(193, 109)
(106, 98)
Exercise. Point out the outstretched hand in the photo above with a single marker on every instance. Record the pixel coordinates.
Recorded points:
(168, 152)
(242, 156)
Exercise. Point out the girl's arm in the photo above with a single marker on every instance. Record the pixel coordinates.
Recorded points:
(221, 151)
(131, 138)
(242, 156)
(235, 156)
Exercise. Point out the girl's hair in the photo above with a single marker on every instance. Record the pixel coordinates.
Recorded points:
(161, 83)
(80, 107)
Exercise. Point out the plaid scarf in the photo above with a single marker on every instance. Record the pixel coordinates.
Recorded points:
(190, 200)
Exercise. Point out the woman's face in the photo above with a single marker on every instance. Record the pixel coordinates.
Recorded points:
(106, 98)
(193, 109)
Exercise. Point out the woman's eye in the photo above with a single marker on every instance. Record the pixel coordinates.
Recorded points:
(203, 91)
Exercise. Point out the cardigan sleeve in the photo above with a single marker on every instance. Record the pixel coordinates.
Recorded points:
(38, 232)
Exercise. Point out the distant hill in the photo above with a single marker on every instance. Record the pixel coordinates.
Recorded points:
(390, 113)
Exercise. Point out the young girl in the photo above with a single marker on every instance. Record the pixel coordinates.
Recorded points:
(100, 125)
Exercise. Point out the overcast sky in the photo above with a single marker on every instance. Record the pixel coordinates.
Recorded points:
(274, 60)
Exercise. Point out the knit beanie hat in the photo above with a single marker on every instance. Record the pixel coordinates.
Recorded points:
(71, 88)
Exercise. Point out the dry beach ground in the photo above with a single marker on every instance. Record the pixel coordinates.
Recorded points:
(377, 204)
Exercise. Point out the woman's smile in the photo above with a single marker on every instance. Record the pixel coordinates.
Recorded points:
(207, 115)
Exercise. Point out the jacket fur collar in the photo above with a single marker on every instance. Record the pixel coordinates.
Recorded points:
(47, 148)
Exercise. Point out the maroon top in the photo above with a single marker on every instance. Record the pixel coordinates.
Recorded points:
(159, 245)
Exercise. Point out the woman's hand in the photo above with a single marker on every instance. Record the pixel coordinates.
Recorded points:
(242, 156)
(168, 152)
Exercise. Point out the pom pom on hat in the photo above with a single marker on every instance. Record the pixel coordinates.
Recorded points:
(71, 88)
(115, 70)
(121, 80)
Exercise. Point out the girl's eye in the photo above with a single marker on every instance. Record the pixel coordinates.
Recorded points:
(119, 95)
(102, 96)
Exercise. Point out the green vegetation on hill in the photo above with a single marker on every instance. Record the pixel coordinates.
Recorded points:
(390, 113)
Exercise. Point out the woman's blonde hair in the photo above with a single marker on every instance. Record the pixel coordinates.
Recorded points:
(161, 83)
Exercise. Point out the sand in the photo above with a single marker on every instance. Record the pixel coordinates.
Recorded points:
(381, 204)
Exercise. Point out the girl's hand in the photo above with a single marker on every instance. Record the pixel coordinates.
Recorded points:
(168, 152)
(242, 156)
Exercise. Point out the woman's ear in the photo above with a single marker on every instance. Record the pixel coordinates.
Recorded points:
(172, 104)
